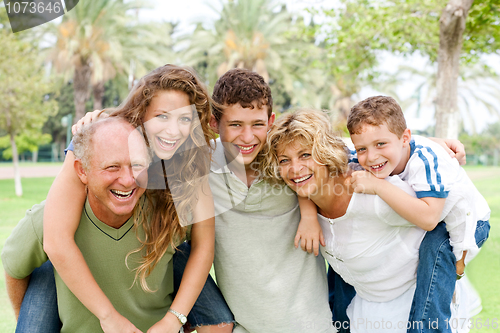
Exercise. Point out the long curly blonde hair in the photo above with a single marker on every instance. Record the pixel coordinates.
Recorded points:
(166, 225)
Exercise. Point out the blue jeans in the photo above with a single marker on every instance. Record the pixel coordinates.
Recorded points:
(39, 308)
(340, 295)
(436, 277)
(39, 312)
(210, 308)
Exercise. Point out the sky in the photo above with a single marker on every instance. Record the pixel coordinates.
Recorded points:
(189, 11)
(186, 12)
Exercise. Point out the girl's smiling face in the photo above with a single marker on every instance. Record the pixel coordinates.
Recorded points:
(168, 122)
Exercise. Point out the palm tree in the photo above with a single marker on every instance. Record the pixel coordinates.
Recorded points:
(477, 86)
(259, 35)
(98, 39)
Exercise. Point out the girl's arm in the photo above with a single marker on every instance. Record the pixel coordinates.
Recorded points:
(61, 217)
(198, 265)
(309, 232)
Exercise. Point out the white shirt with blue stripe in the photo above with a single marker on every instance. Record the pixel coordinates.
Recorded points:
(431, 172)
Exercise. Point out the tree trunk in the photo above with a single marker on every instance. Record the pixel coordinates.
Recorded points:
(81, 86)
(98, 91)
(17, 173)
(451, 28)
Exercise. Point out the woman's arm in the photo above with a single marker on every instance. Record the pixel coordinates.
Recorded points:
(61, 217)
(198, 265)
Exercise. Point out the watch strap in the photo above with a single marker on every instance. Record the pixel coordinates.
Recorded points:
(182, 318)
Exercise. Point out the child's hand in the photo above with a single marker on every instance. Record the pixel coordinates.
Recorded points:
(461, 265)
(168, 324)
(116, 323)
(310, 235)
(87, 119)
(364, 182)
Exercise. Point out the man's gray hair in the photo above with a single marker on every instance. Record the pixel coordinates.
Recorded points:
(83, 140)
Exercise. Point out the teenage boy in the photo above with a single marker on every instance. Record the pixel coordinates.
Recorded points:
(269, 285)
(385, 147)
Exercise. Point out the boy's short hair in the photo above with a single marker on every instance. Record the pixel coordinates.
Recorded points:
(241, 86)
(376, 111)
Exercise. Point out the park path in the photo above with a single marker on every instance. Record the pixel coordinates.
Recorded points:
(31, 171)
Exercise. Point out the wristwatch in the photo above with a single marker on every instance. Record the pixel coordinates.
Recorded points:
(182, 318)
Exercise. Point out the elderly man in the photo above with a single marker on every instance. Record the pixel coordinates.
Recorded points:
(110, 154)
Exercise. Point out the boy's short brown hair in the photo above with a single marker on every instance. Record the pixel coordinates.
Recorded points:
(241, 86)
(376, 111)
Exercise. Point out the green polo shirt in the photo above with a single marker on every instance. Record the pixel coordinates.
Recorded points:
(104, 249)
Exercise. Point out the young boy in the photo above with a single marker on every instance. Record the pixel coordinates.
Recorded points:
(385, 147)
(268, 284)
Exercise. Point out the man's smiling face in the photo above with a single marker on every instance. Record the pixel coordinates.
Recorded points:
(115, 160)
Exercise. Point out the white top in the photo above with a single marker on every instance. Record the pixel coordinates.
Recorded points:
(431, 172)
(269, 285)
(372, 247)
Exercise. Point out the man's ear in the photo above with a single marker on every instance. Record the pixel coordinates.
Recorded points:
(271, 120)
(406, 137)
(214, 124)
(80, 171)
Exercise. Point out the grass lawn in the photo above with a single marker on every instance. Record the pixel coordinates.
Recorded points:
(12, 210)
(484, 271)
(29, 164)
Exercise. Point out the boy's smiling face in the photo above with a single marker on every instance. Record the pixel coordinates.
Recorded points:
(243, 131)
(380, 151)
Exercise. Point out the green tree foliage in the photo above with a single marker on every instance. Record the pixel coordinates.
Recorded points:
(354, 32)
(486, 143)
(260, 35)
(24, 102)
(405, 27)
(29, 141)
(98, 39)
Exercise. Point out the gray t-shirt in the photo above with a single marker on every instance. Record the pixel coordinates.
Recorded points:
(269, 285)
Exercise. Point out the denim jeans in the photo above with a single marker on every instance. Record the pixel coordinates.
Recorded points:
(436, 277)
(39, 308)
(210, 308)
(39, 312)
(340, 295)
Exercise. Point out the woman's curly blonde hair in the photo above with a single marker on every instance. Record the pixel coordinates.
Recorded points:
(166, 225)
(311, 128)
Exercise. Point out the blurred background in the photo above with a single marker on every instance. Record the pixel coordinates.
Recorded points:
(325, 54)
